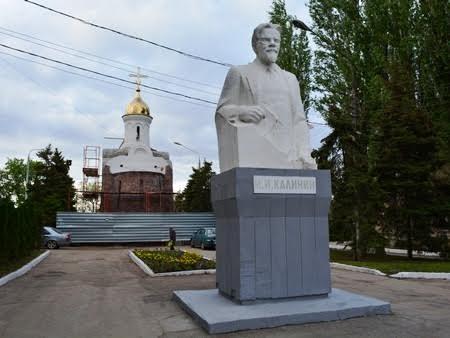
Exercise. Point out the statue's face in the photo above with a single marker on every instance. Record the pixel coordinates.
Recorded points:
(268, 46)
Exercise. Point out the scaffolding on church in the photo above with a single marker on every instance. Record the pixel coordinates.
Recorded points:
(156, 201)
(91, 174)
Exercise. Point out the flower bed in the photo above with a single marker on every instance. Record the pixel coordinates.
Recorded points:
(173, 260)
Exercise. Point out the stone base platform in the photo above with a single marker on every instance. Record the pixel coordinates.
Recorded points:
(217, 314)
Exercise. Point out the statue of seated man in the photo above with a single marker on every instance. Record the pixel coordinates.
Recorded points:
(260, 119)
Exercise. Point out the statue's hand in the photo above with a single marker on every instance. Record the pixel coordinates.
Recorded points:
(251, 114)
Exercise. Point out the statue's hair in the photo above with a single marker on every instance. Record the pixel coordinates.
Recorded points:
(258, 30)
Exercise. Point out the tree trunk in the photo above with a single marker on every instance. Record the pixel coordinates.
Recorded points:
(357, 249)
(410, 238)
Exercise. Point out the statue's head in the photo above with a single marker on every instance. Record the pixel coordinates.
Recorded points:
(266, 42)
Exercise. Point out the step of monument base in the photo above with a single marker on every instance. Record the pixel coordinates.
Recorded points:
(217, 314)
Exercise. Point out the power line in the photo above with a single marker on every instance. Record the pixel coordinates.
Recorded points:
(53, 93)
(142, 85)
(112, 60)
(102, 80)
(107, 64)
(192, 56)
(119, 85)
(108, 76)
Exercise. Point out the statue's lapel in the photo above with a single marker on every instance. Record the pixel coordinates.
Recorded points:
(251, 83)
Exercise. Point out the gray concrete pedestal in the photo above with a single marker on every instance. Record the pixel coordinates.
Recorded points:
(271, 244)
(217, 314)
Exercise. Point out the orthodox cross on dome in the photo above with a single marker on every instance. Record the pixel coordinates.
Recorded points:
(138, 77)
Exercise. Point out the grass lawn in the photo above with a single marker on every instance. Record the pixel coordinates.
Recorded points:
(173, 260)
(392, 264)
(8, 266)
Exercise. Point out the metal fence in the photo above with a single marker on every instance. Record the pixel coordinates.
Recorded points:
(131, 227)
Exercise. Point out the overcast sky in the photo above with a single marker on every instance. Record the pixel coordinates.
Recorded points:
(41, 105)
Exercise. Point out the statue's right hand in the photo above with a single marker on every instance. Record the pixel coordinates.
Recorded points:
(251, 114)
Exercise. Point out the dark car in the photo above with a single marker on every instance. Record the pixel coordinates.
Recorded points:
(204, 238)
(53, 238)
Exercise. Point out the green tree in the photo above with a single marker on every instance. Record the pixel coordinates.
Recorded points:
(340, 73)
(382, 74)
(403, 147)
(53, 189)
(403, 168)
(196, 196)
(20, 232)
(433, 94)
(12, 179)
(295, 54)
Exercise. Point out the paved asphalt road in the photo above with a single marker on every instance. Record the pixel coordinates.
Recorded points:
(99, 292)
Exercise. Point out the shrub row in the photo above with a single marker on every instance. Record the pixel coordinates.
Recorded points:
(20, 232)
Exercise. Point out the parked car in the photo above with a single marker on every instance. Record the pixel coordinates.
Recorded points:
(204, 238)
(53, 238)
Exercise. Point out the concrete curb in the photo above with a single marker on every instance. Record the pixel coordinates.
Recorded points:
(140, 263)
(24, 269)
(150, 272)
(422, 275)
(357, 269)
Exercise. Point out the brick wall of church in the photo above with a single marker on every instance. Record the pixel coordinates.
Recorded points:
(137, 191)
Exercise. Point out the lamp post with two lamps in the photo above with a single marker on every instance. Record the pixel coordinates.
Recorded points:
(192, 150)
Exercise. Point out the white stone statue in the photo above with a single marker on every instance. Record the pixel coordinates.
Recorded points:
(260, 119)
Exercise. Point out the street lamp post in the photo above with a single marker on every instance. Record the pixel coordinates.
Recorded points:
(192, 150)
(301, 25)
(28, 171)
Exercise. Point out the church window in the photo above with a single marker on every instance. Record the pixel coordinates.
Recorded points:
(138, 133)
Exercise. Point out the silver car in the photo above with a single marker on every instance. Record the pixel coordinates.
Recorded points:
(53, 238)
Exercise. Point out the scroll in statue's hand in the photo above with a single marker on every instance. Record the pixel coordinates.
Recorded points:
(251, 114)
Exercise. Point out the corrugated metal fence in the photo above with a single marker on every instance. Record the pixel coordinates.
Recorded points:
(131, 227)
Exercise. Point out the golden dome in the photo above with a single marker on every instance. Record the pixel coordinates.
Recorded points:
(137, 106)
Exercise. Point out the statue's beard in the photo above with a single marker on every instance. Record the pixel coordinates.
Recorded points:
(269, 56)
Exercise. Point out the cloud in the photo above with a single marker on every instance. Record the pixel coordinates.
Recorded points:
(39, 105)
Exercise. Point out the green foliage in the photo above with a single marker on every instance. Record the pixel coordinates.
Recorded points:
(53, 189)
(12, 179)
(433, 69)
(392, 264)
(340, 70)
(382, 74)
(20, 233)
(295, 54)
(10, 265)
(50, 189)
(173, 260)
(402, 170)
(196, 196)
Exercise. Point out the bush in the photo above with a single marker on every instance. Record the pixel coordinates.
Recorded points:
(20, 232)
(173, 260)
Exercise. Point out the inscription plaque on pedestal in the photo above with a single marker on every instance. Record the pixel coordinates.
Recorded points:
(284, 185)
